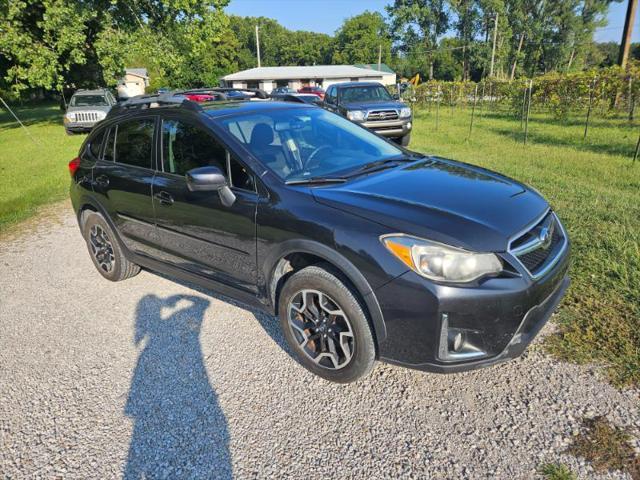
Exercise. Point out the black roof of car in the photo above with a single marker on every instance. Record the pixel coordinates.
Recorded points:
(357, 84)
(221, 109)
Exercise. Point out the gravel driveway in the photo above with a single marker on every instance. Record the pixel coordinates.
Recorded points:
(149, 377)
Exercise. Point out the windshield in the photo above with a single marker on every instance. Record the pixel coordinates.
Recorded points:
(89, 101)
(364, 94)
(303, 143)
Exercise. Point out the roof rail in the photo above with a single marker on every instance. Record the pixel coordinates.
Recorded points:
(259, 93)
(141, 102)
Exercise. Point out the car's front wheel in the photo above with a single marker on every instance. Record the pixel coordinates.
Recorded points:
(104, 249)
(404, 141)
(326, 325)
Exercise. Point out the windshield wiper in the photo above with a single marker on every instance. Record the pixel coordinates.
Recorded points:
(315, 181)
(381, 165)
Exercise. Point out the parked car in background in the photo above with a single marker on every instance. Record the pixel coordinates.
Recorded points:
(365, 250)
(162, 90)
(86, 108)
(314, 90)
(301, 98)
(281, 91)
(371, 105)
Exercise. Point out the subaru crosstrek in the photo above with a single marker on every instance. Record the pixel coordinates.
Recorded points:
(363, 249)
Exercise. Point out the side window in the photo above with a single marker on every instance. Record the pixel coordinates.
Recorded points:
(185, 146)
(109, 148)
(331, 95)
(240, 177)
(93, 146)
(134, 142)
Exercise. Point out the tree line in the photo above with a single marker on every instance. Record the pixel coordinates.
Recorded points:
(55, 44)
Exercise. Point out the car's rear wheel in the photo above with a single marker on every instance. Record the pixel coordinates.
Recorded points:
(104, 249)
(326, 325)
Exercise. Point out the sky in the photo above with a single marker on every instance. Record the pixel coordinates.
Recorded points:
(326, 16)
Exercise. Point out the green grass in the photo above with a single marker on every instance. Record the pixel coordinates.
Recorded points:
(33, 172)
(595, 189)
(556, 471)
(593, 186)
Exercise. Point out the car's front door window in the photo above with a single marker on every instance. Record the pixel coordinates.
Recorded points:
(186, 146)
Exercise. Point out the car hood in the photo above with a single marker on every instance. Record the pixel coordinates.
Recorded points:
(442, 200)
(374, 105)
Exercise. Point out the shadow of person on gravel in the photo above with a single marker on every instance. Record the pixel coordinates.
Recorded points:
(179, 428)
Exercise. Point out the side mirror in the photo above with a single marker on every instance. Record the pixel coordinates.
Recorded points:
(209, 179)
(396, 96)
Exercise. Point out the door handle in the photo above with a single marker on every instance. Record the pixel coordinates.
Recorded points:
(102, 181)
(164, 198)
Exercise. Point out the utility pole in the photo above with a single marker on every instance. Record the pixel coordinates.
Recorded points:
(258, 45)
(625, 44)
(493, 50)
(379, 56)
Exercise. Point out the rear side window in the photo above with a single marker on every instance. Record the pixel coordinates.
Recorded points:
(109, 147)
(92, 150)
(134, 142)
(186, 146)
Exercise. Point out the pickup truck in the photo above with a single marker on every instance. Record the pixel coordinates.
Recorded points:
(371, 105)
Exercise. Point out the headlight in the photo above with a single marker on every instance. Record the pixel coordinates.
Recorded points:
(355, 115)
(440, 262)
(70, 116)
(102, 115)
(405, 112)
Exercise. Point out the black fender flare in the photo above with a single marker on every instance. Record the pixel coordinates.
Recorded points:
(276, 257)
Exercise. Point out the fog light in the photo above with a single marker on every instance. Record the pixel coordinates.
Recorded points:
(458, 341)
(409, 125)
(459, 344)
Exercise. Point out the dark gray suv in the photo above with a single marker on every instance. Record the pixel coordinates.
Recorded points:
(371, 105)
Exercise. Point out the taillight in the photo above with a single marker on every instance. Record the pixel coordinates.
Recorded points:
(73, 166)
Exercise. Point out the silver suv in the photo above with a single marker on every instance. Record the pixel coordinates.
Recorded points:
(86, 108)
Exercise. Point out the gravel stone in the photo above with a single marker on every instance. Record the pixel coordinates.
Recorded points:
(157, 378)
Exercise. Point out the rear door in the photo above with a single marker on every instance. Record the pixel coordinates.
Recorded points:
(122, 180)
(197, 232)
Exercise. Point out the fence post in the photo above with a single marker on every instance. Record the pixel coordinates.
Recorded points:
(524, 102)
(438, 108)
(526, 124)
(635, 155)
(586, 123)
(482, 99)
(632, 100)
(473, 110)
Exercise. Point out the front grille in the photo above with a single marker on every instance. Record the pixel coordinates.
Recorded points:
(86, 117)
(382, 115)
(538, 248)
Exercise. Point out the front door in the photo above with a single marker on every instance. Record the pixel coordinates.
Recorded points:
(197, 232)
(122, 180)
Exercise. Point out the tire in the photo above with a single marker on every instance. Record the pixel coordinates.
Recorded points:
(404, 141)
(68, 132)
(105, 250)
(353, 353)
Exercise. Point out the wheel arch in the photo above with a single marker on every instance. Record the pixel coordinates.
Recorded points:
(293, 255)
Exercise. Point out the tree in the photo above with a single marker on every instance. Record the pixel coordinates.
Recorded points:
(419, 21)
(360, 37)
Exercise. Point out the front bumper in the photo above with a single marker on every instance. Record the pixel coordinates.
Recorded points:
(503, 315)
(391, 128)
(78, 126)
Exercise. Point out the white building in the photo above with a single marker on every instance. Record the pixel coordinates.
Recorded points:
(268, 78)
(133, 83)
